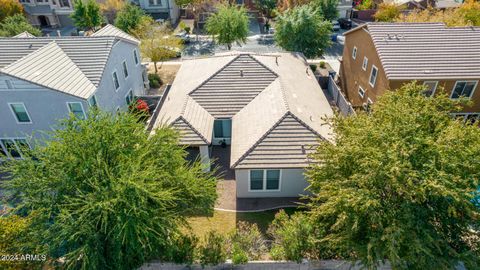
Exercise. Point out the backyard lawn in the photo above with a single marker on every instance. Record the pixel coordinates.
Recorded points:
(224, 222)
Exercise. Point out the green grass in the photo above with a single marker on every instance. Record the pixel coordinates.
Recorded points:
(225, 222)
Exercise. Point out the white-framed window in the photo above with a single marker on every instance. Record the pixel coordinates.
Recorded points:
(373, 76)
(463, 89)
(365, 63)
(125, 69)
(13, 147)
(20, 113)
(264, 180)
(361, 92)
(354, 53)
(77, 109)
(222, 128)
(116, 84)
(129, 97)
(92, 101)
(135, 56)
(431, 87)
(9, 84)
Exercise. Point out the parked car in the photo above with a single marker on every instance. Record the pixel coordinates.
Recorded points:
(345, 23)
(335, 26)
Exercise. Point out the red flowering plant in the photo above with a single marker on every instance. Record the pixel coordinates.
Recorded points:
(140, 106)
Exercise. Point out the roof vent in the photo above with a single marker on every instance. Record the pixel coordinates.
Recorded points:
(276, 60)
(303, 149)
(241, 73)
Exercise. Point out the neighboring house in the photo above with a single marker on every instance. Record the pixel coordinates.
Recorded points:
(48, 13)
(381, 56)
(160, 9)
(266, 109)
(44, 79)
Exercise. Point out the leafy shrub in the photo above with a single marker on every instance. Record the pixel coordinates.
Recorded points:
(155, 81)
(187, 29)
(249, 239)
(291, 236)
(140, 107)
(212, 252)
(387, 12)
(313, 67)
(366, 4)
(322, 64)
(239, 256)
(183, 249)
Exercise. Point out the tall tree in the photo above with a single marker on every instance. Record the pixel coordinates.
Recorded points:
(302, 29)
(108, 195)
(16, 24)
(86, 16)
(387, 12)
(266, 7)
(130, 17)
(9, 8)
(159, 44)
(398, 184)
(327, 8)
(110, 8)
(228, 25)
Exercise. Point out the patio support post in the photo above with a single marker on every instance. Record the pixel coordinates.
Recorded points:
(205, 157)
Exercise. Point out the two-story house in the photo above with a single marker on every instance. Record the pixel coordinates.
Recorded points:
(160, 9)
(48, 13)
(381, 56)
(44, 79)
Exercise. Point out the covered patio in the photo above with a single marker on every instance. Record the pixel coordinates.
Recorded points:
(227, 189)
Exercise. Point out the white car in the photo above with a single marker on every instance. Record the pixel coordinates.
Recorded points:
(335, 26)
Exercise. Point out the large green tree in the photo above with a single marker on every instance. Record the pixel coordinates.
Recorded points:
(130, 18)
(327, 8)
(398, 184)
(108, 195)
(86, 16)
(16, 24)
(228, 25)
(302, 29)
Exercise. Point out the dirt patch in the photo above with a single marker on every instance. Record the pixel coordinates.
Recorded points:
(167, 72)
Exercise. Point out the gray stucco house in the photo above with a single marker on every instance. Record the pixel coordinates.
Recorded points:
(160, 9)
(267, 110)
(44, 79)
(48, 13)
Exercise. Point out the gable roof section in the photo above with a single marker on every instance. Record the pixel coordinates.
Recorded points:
(90, 54)
(49, 66)
(427, 50)
(24, 34)
(286, 145)
(188, 134)
(112, 31)
(233, 86)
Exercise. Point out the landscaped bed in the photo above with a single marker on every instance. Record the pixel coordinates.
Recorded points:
(224, 222)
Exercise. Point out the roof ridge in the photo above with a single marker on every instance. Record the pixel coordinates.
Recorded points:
(259, 62)
(306, 125)
(241, 158)
(193, 128)
(284, 94)
(213, 75)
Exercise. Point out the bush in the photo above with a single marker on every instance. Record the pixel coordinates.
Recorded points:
(387, 13)
(239, 256)
(291, 236)
(365, 5)
(183, 251)
(155, 81)
(187, 29)
(249, 239)
(313, 67)
(212, 252)
(322, 64)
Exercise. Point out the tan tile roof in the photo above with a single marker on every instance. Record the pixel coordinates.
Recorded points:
(427, 50)
(112, 31)
(245, 77)
(274, 127)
